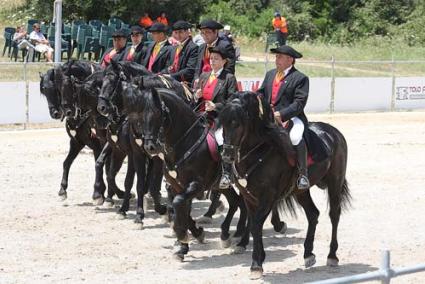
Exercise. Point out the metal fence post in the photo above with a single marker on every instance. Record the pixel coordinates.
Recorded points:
(386, 267)
(392, 107)
(58, 30)
(332, 103)
(27, 97)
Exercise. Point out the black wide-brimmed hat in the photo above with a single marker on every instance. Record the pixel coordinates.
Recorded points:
(210, 24)
(120, 33)
(158, 27)
(181, 25)
(137, 29)
(286, 49)
(220, 50)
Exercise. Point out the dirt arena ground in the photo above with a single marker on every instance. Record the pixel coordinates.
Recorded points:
(44, 240)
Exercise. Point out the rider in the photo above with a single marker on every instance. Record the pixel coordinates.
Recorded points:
(214, 88)
(286, 89)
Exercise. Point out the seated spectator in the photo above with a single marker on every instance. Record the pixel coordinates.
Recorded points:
(42, 45)
(227, 34)
(145, 21)
(20, 38)
(162, 18)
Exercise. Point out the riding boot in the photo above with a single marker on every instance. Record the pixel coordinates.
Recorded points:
(302, 182)
(225, 180)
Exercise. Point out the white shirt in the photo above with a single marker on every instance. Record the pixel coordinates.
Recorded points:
(37, 36)
(286, 71)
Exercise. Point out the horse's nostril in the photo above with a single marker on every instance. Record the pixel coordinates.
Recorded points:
(68, 112)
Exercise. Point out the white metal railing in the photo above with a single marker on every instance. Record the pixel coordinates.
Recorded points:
(384, 274)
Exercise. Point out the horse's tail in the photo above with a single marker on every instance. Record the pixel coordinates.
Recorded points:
(345, 196)
(287, 205)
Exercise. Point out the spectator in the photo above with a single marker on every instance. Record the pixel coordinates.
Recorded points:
(42, 45)
(136, 51)
(184, 55)
(227, 34)
(280, 28)
(162, 18)
(20, 38)
(158, 53)
(198, 39)
(209, 31)
(145, 21)
(119, 41)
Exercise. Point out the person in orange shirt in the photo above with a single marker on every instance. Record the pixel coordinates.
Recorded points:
(280, 28)
(162, 19)
(145, 21)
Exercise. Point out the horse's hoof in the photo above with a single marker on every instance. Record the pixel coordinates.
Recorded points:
(221, 207)
(178, 256)
(138, 220)
(238, 250)
(332, 262)
(161, 209)
(63, 197)
(121, 215)
(98, 201)
(226, 243)
(256, 274)
(204, 220)
(109, 202)
(201, 237)
(310, 261)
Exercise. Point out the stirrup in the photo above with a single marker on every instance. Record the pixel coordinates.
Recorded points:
(224, 182)
(303, 183)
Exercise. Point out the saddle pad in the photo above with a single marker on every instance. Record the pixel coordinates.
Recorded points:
(212, 146)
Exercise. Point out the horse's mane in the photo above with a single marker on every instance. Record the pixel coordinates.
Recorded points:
(260, 119)
(93, 79)
(79, 69)
(128, 67)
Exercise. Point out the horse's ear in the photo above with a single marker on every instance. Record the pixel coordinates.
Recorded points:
(41, 75)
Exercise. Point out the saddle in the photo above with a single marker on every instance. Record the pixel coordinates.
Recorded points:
(317, 150)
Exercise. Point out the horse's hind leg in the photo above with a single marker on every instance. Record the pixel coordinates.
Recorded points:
(74, 149)
(215, 203)
(334, 192)
(278, 226)
(242, 225)
(312, 214)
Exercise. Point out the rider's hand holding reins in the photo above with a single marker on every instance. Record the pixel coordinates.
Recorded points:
(209, 106)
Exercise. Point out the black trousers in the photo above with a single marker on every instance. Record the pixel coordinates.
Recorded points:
(281, 37)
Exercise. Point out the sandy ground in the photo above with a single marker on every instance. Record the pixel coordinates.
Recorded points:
(44, 240)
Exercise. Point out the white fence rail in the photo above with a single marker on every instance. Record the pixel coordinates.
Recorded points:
(384, 274)
(21, 102)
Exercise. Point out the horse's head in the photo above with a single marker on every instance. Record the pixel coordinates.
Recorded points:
(69, 94)
(110, 98)
(234, 118)
(48, 89)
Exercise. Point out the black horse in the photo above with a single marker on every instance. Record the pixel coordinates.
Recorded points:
(111, 103)
(119, 144)
(263, 159)
(81, 124)
(171, 130)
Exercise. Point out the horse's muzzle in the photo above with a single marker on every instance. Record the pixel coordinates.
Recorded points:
(55, 114)
(228, 154)
(151, 147)
(102, 109)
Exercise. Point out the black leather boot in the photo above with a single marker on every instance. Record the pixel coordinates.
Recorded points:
(302, 183)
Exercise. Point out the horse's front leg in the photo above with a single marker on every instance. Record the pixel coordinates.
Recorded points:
(139, 160)
(181, 206)
(99, 184)
(155, 180)
(74, 149)
(278, 225)
(128, 184)
(258, 253)
(233, 200)
(117, 159)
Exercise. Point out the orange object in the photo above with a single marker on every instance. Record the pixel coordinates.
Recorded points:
(145, 21)
(162, 20)
(280, 23)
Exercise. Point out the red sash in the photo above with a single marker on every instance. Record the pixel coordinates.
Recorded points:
(208, 92)
(206, 67)
(130, 55)
(108, 57)
(275, 91)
